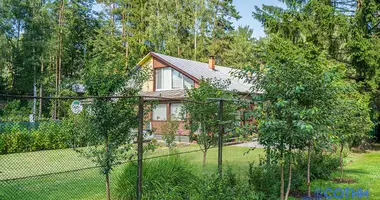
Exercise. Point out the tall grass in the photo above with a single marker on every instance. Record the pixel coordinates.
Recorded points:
(175, 178)
(164, 178)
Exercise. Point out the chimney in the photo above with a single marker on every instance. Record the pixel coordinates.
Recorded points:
(211, 63)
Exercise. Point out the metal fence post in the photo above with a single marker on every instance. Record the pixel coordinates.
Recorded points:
(140, 149)
(220, 138)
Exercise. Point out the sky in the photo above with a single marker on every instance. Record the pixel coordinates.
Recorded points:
(246, 7)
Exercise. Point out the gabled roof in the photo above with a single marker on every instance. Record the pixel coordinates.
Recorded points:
(199, 70)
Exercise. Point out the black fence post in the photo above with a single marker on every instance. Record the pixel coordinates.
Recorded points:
(140, 149)
(220, 138)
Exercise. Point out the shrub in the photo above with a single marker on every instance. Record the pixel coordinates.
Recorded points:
(53, 135)
(20, 140)
(266, 178)
(164, 178)
(40, 141)
(169, 130)
(14, 139)
(2, 144)
(214, 187)
(322, 165)
(48, 135)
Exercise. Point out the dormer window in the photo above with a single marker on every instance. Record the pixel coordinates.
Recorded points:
(168, 78)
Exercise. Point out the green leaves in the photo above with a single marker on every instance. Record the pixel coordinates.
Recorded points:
(203, 117)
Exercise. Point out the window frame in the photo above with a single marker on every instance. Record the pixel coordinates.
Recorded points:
(171, 110)
(166, 113)
(182, 81)
(156, 77)
(171, 79)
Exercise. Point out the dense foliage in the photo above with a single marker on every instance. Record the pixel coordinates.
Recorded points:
(164, 178)
(316, 69)
(265, 179)
(45, 136)
(203, 109)
(45, 45)
(169, 131)
(175, 178)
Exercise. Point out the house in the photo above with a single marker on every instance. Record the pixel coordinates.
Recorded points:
(170, 77)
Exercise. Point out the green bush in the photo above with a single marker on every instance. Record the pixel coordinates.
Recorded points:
(164, 178)
(173, 178)
(214, 187)
(15, 139)
(48, 135)
(2, 144)
(169, 130)
(266, 178)
(322, 165)
(53, 135)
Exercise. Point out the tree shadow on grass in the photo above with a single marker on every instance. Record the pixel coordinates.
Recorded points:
(355, 171)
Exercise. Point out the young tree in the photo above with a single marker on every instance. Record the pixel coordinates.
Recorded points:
(112, 120)
(203, 116)
(351, 118)
(347, 30)
(170, 129)
(297, 93)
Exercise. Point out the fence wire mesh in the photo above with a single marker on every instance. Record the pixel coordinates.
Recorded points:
(63, 149)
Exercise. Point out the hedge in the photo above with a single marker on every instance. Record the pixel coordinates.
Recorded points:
(47, 136)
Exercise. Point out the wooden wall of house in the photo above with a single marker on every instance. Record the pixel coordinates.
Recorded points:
(148, 86)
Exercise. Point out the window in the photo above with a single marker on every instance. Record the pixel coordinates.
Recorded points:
(168, 78)
(177, 79)
(159, 113)
(163, 80)
(175, 111)
(187, 82)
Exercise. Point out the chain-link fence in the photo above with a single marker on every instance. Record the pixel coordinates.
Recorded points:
(77, 147)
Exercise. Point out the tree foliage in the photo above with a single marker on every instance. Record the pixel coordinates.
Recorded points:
(203, 112)
(325, 46)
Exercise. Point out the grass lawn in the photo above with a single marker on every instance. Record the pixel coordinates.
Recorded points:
(89, 183)
(364, 169)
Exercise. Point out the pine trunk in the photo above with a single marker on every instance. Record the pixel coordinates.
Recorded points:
(124, 35)
(54, 114)
(195, 30)
(60, 44)
(41, 91)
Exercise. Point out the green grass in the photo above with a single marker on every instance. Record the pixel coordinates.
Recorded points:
(363, 168)
(89, 183)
